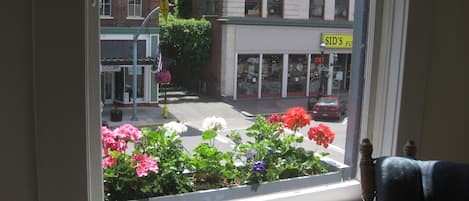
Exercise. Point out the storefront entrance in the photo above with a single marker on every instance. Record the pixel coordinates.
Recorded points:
(107, 87)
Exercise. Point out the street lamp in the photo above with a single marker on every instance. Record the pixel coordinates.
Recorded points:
(331, 70)
(134, 61)
(321, 70)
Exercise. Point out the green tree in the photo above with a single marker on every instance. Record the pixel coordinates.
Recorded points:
(188, 42)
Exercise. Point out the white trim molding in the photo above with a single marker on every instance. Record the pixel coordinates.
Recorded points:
(389, 76)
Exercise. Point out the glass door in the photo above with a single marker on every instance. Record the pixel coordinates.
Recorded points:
(107, 87)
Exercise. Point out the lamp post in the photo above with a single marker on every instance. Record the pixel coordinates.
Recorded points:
(134, 61)
(321, 70)
(331, 70)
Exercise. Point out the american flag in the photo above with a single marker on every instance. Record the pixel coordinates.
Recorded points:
(158, 60)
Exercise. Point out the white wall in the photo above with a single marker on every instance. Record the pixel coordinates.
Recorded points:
(278, 39)
(296, 9)
(293, 9)
(44, 119)
(435, 104)
(233, 8)
(329, 9)
(228, 58)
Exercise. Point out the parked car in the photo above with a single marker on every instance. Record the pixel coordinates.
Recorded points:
(328, 107)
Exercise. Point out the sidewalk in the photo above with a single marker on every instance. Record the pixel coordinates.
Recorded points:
(146, 116)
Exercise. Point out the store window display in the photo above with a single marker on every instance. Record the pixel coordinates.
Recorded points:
(297, 67)
(272, 75)
(247, 76)
(317, 63)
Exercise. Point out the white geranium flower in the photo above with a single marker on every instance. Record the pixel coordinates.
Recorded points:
(175, 127)
(214, 123)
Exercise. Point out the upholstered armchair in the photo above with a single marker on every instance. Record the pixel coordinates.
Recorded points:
(392, 178)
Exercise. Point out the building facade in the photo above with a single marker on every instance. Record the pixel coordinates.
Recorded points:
(120, 20)
(272, 48)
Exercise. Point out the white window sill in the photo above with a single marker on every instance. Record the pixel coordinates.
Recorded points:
(342, 191)
(135, 18)
(106, 17)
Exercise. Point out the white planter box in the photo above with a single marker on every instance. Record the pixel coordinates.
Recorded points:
(335, 174)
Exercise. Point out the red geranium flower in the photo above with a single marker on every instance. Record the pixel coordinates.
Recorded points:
(322, 135)
(296, 118)
(275, 118)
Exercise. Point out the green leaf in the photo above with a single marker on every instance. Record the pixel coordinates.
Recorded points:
(228, 174)
(209, 134)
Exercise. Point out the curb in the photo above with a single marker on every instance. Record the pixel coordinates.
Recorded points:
(247, 114)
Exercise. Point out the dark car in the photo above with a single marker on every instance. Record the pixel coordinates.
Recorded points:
(328, 107)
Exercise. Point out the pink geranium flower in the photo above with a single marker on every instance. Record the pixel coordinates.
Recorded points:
(128, 132)
(108, 162)
(145, 164)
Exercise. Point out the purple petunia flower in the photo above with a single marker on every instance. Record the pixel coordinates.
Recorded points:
(251, 154)
(259, 166)
(271, 151)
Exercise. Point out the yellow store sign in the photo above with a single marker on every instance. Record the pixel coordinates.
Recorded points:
(335, 40)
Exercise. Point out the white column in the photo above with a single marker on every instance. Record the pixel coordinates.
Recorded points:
(264, 8)
(235, 80)
(285, 75)
(259, 86)
(331, 74)
(308, 74)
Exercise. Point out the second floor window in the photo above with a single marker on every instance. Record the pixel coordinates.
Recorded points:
(274, 8)
(105, 8)
(341, 9)
(316, 8)
(253, 8)
(135, 8)
(212, 7)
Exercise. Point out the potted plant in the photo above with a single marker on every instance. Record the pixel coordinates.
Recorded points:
(158, 165)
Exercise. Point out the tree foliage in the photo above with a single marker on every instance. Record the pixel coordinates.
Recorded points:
(188, 39)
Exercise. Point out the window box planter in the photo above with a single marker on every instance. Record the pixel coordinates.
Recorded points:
(334, 175)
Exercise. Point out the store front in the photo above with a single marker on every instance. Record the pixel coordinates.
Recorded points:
(117, 72)
(117, 84)
(306, 75)
(266, 67)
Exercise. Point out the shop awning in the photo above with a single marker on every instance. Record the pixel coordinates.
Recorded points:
(127, 61)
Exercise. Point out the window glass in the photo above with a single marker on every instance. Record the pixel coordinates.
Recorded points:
(318, 61)
(272, 68)
(316, 8)
(252, 8)
(341, 9)
(297, 67)
(135, 8)
(105, 8)
(248, 76)
(274, 8)
(211, 7)
(129, 80)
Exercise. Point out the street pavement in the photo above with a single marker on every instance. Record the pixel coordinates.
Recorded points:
(239, 115)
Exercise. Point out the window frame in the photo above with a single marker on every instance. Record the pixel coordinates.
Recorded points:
(102, 9)
(322, 14)
(282, 8)
(259, 8)
(217, 8)
(347, 10)
(134, 9)
(377, 52)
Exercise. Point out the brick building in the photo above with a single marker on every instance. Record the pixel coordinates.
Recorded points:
(271, 48)
(120, 20)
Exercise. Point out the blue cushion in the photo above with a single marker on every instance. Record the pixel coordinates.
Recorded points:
(405, 179)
